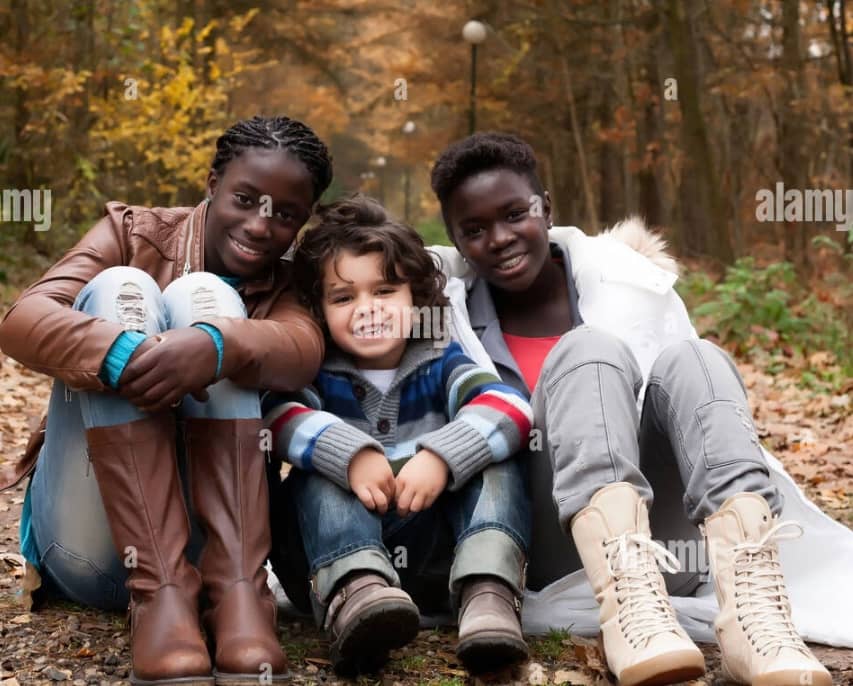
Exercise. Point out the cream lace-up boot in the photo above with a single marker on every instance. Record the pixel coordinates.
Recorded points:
(757, 638)
(643, 641)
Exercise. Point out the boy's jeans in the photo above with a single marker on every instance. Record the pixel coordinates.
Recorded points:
(72, 537)
(483, 528)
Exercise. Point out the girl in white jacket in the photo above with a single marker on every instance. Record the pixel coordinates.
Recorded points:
(612, 417)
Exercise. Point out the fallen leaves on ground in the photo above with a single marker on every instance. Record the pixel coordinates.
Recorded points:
(812, 434)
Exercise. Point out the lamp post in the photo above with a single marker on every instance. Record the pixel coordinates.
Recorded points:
(408, 129)
(381, 162)
(474, 32)
(367, 176)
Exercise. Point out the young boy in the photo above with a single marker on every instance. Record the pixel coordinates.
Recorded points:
(403, 445)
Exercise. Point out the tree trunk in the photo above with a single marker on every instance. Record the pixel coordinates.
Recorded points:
(792, 132)
(702, 212)
(591, 216)
(649, 134)
(844, 63)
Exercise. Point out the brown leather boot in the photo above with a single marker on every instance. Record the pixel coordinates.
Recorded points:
(230, 497)
(366, 618)
(490, 635)
(137, 474)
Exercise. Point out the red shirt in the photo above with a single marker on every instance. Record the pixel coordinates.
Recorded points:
(529, 354)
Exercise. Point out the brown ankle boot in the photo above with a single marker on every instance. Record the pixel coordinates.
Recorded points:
(230, 496)
(137, 474)
(490, 635)
(366, 618)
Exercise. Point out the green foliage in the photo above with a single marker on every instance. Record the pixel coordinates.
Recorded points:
(768, 309)
(694, 286)
(433, 233)
(413, 663)
(552, 644)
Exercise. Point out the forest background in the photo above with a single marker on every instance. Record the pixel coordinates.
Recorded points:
(681, 111)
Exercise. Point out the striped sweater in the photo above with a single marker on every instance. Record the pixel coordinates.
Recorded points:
(439, 400)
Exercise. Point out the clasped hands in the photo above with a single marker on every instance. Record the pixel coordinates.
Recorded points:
(421, 480)
(166, 367)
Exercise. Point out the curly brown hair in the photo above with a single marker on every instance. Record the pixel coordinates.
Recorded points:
(359, 224)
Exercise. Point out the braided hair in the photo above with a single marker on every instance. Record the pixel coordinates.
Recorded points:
(277, 133)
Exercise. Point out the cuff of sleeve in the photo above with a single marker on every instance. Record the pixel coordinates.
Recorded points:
(336, 447)
(462, 447)
(216, 335)
(119, 355)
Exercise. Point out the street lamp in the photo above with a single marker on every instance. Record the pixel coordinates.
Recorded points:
(408, 129)
(474, 32)
(381, 162)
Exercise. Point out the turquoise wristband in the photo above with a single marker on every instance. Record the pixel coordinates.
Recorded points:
(216, 335)
(119, 355)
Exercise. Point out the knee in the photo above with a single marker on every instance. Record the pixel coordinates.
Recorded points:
(198, 296)
(501, 479)
(120, 292)
(692, 357)
(113, 278)
(588, 345)
(678, 358)
(319, 499)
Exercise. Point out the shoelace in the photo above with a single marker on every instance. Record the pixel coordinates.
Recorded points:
(761, 600)
(633, 561)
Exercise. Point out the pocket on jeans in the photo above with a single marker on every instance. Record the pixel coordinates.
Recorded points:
(81, 580)
(728, 435)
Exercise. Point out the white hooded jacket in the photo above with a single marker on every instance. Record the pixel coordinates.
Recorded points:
(624, 281)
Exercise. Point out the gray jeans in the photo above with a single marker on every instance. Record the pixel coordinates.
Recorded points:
(694, 445)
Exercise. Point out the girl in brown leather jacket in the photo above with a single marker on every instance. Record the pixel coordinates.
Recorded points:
(158, 315)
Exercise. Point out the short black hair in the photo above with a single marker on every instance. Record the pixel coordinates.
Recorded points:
(361, 225)
(481, 152)
(277, 133)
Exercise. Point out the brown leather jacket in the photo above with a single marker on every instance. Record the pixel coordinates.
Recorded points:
(279, 347)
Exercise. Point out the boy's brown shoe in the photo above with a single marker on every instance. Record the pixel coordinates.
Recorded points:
(490, 635)
(367, 618)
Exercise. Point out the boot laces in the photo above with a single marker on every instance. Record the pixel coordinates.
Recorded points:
(644, 608)
(761, 599)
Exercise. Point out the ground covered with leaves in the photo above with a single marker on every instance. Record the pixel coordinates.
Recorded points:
(811, 433)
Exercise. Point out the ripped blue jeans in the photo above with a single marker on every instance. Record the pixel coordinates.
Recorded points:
(64, 530)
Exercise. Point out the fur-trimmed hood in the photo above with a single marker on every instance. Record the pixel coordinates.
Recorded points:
(636, 235)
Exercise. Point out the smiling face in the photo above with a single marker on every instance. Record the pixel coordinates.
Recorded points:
(367, 316)
(258, 204)
(498, 228)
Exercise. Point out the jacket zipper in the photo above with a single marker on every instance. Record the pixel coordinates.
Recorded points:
(187, 268)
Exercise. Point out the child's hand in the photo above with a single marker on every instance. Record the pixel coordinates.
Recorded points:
(371, 479)
(421, 480)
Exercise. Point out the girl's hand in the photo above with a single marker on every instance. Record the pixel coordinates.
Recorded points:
(168, 366)
(371, 479)
(421, 480)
